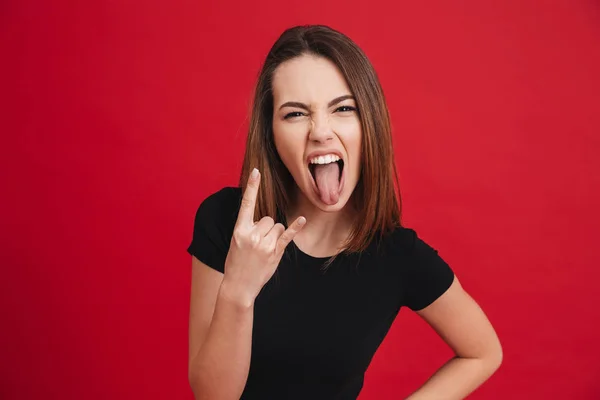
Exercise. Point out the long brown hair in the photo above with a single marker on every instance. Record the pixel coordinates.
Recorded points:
(377, 196)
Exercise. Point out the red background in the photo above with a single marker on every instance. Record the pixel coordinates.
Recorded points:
(119, 117)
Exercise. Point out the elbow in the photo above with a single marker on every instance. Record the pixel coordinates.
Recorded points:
(203, 389)
(198, 391)
(494, 358)
(488, 361)
(498, 358)
(195, 382)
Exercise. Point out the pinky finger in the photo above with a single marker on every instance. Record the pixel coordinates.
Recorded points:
(289, 234)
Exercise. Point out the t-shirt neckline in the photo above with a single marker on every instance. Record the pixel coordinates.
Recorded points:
(295, 247)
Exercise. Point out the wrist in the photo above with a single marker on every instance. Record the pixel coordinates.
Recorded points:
(232, 294)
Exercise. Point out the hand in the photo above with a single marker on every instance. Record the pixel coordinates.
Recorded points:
(256, 247)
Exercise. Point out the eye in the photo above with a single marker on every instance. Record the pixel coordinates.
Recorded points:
(345, 109)
(293, 115)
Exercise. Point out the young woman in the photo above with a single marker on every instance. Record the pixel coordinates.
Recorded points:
(298, 274)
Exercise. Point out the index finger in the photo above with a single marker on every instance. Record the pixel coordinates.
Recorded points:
(246, 214)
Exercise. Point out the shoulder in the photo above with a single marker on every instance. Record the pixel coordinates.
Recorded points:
(402, 241)
(409, 239)
(425, 274)
(219, 210)
(223, 203)
(407, 245)
(224, 197)
(213, 227)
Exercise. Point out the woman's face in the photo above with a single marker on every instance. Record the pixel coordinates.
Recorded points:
(317, 129)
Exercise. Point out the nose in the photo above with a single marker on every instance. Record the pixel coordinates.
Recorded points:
(320, 131)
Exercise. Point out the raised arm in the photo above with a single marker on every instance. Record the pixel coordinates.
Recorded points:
(222, 305)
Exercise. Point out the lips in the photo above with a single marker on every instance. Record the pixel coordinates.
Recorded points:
(319, 153)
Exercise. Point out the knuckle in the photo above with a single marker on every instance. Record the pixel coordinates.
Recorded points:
(246, 203)
(266, 246)
(279, 227)
(284, 237)
(270, 251)
(267, 222)
(238, 237)
(254, 239)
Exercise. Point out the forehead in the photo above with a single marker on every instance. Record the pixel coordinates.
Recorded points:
(308, 79)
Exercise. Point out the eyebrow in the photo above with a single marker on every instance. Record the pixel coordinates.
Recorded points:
(305, 107)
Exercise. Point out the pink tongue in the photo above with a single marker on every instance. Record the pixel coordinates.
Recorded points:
(327, 178)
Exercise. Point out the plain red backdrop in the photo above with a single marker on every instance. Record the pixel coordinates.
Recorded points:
(120, 117)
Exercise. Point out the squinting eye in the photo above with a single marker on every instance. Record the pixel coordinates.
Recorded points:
(346, 108)
(293, 114)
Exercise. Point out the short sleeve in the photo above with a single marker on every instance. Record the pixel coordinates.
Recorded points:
(426, 275)
(213, 227)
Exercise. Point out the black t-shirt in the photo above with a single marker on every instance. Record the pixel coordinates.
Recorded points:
(316, 332)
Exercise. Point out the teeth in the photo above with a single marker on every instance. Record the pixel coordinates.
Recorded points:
(327, 159)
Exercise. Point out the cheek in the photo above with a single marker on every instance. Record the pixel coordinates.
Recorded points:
(356, 152)
(350, 133)
(289, 143)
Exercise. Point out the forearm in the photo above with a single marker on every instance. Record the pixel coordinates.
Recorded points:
(220, 369)
(456, 379)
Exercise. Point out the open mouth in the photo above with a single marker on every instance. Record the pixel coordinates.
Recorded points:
(312, 167)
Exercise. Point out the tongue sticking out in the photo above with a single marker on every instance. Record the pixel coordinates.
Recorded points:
(327, 179)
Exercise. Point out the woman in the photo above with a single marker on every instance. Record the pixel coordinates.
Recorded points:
(298, 274)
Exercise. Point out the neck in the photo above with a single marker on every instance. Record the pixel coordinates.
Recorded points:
(325, 232)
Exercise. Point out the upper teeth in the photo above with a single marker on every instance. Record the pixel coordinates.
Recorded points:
(326, 159)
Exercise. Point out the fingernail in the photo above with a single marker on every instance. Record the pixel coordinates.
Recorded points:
(301, 221)
(254, 174)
